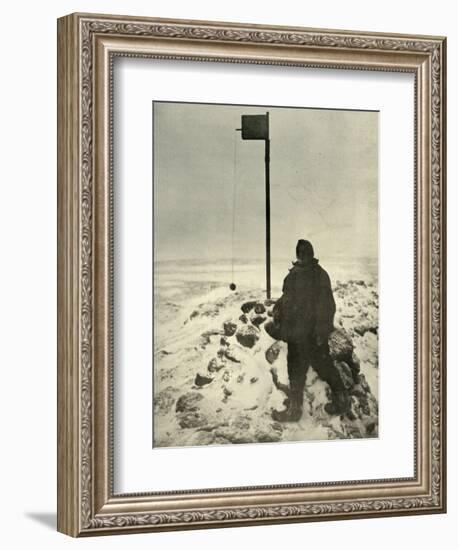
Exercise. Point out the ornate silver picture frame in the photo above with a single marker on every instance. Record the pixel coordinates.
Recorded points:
(88, 44)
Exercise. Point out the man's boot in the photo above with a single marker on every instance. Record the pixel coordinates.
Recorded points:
(340, 404)
(292, 413)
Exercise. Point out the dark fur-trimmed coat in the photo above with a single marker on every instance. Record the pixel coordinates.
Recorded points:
(306, 307)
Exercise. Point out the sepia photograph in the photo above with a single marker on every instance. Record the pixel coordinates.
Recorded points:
(265, 274)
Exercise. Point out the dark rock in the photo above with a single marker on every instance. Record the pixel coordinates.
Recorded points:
(226, 376)
(229, 328)
(269, 302)
(270, 313)
(202, 380)
(248, 306)
(240, 378)
(188, 401)
(214, 365)
(164, 401)
(370, 428)
(243, 318)
(229, 354)
(345, 374)
(340, 344)
(253, 380)
(354, 364)
(191, 419)
(194, 314)
(276, 426)
(365, 408)
(223, 341)
(227, 393)
(273, 352)
(259, 309)
(353, 432)
(358, 390)
(361, 380)
(365, 327)
(247, 336)
(258, 320)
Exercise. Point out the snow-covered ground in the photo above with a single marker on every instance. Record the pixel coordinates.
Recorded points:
(217, 376)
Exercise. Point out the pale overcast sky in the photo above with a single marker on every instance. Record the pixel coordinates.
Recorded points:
(324, 174)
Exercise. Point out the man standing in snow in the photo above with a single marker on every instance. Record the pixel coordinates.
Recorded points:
(304, 316)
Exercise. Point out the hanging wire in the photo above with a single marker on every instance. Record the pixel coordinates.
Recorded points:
(234, 204)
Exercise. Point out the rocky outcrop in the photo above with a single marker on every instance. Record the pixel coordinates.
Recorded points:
(257, 320)
(188, 413)
(345, 374)
(164, 401)
(247, 336)
(340, 345)
(248, 306)
(232, 355)
(273, 352)
(215, 365)
(341, 349)
(229, 328)
(238, 374)
(188, 402)
(202, 379)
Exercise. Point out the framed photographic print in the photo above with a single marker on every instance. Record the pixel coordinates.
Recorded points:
(251, 285)
(254, 348)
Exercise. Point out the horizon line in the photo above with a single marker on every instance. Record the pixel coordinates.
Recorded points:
(259, 259)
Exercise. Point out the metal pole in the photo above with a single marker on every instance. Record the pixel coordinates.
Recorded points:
(267, 161)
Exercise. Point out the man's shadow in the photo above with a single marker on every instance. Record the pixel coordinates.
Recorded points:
(47, 519)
